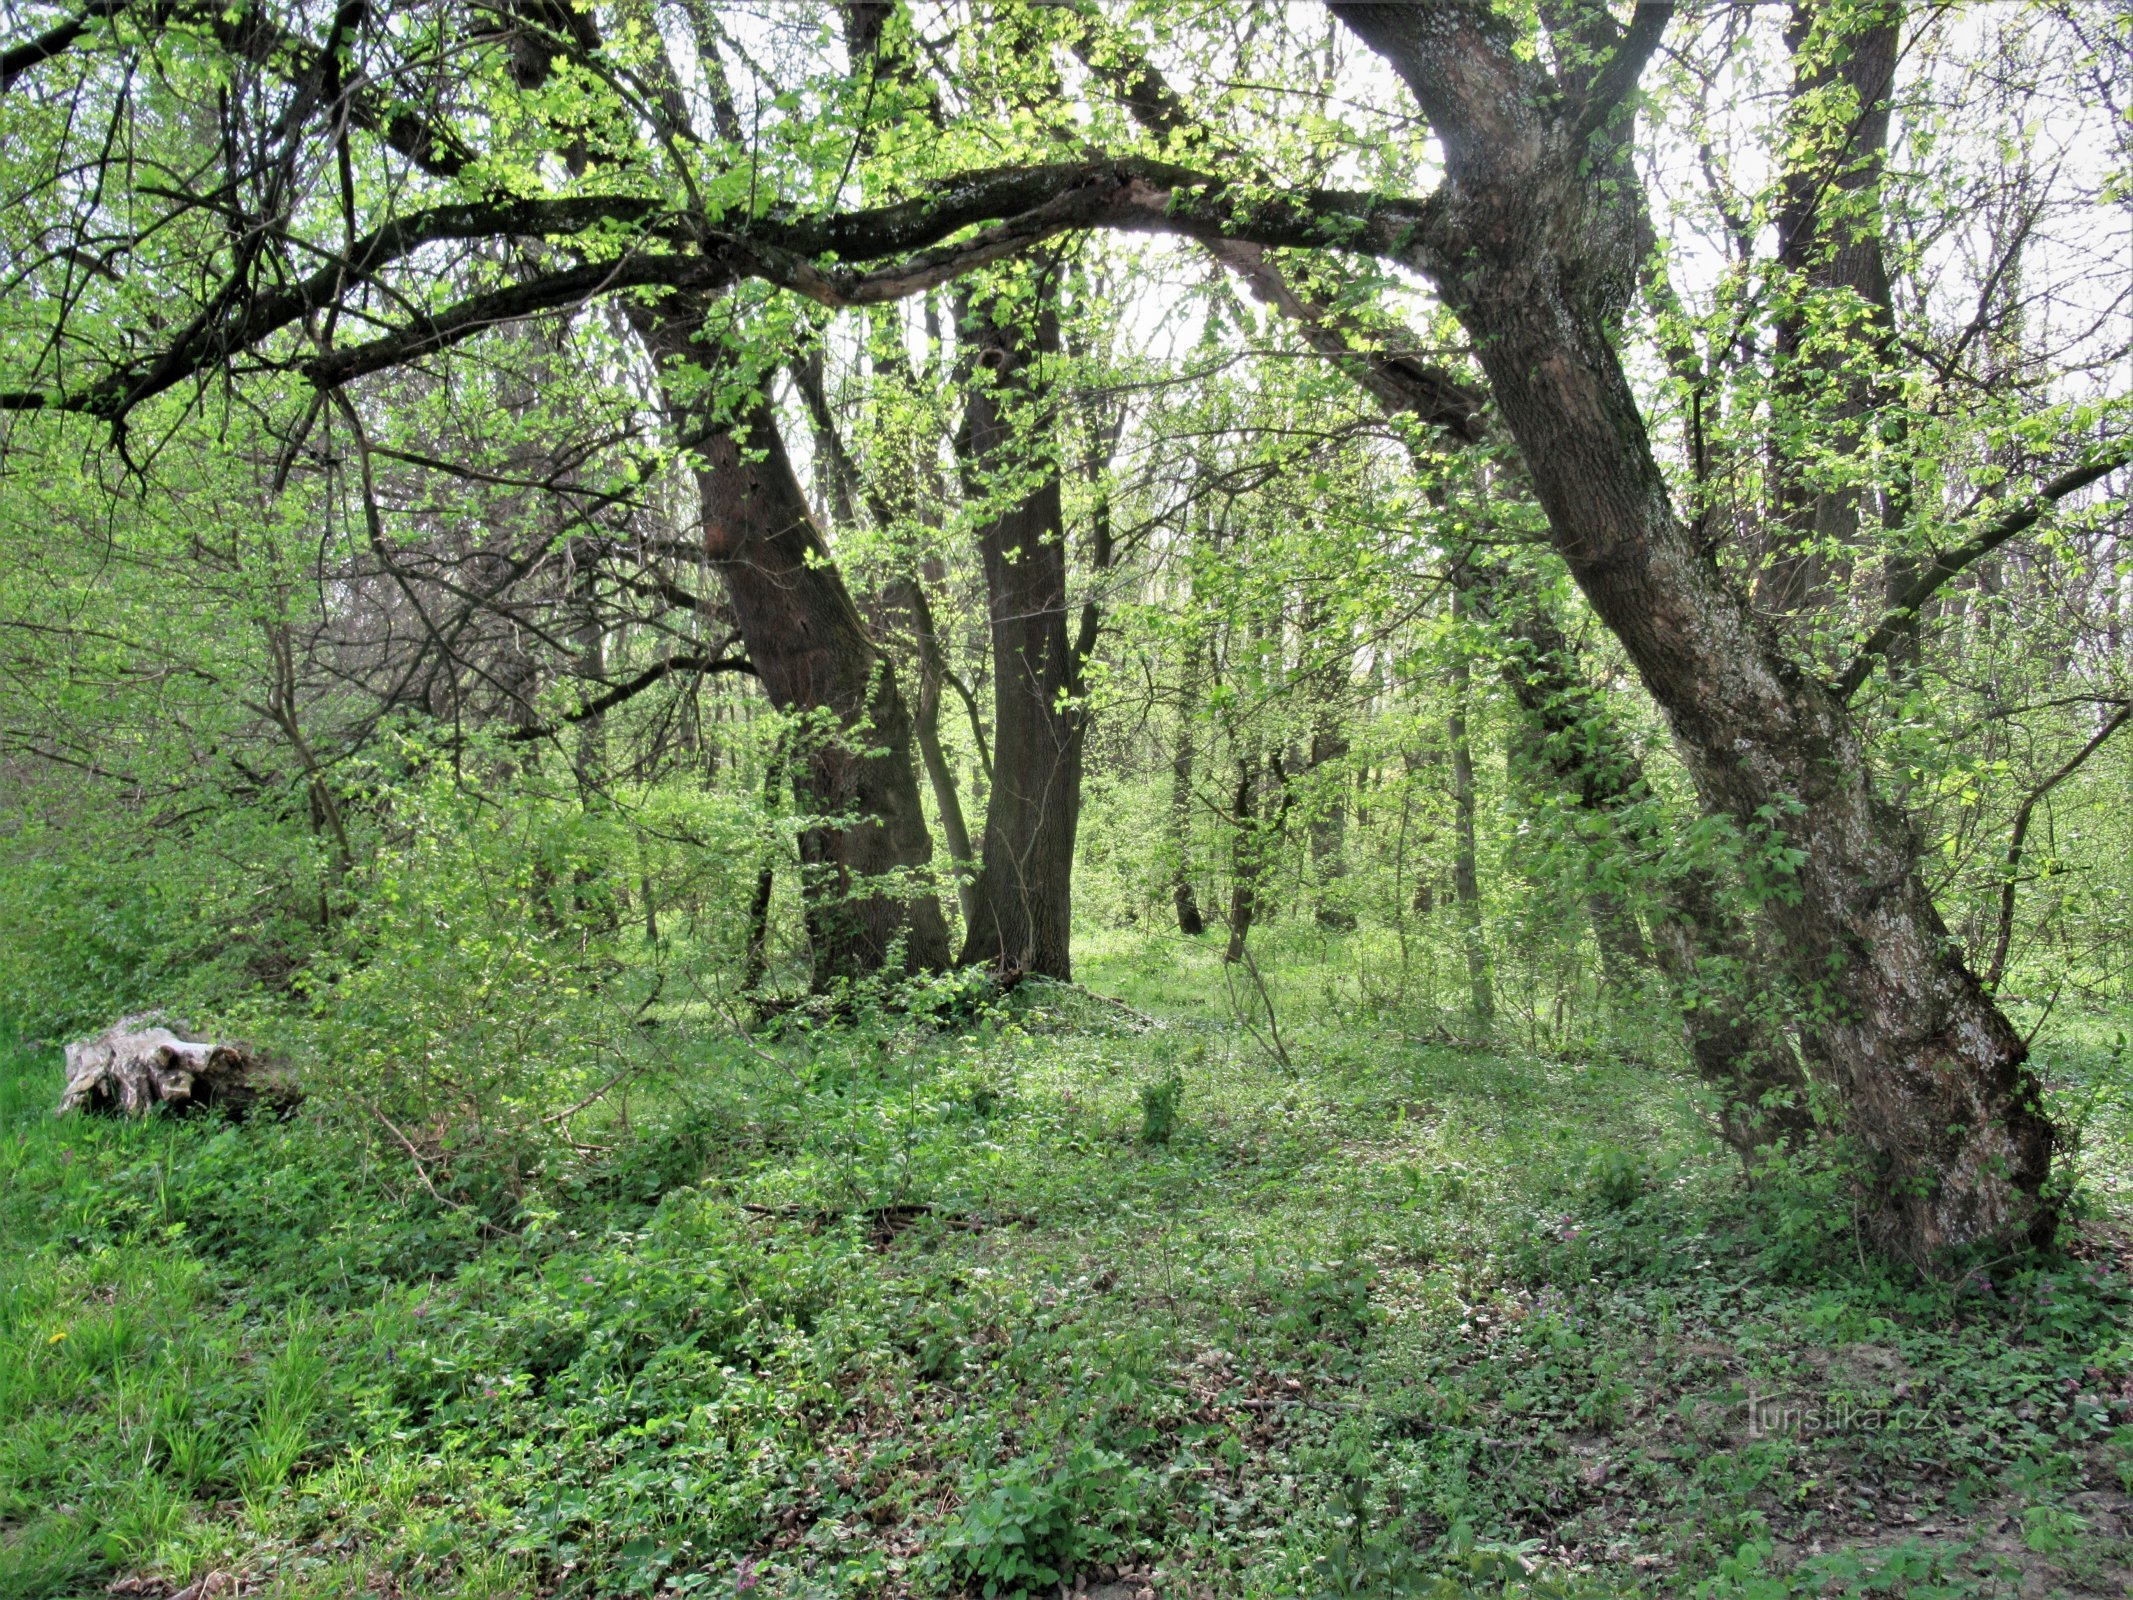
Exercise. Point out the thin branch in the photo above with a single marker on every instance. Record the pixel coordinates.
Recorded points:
(1937, 572)
(629, 690)
(2004, 936)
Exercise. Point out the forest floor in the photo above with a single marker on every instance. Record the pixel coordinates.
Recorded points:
(1074, 1289)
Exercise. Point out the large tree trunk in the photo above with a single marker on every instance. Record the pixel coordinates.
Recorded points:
(1023, 919)
(1737, 1045)
(1707, 955)
(865, 852)
(1931, 1076)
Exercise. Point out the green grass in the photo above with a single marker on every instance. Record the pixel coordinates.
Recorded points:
(884, 1310)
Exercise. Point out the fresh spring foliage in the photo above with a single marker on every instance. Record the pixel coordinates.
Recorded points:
(1533, 598)
(900, 1306)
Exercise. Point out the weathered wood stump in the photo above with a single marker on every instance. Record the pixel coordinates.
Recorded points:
(138, 1064)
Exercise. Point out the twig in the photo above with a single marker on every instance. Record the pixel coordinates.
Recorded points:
(422, 1175)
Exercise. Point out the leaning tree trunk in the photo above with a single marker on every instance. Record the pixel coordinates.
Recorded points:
(1737, 1046)
(1024, 895)
(1734, 1040)
(865, 853)
(1534, 259)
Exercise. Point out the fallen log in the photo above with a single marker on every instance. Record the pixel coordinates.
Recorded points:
(138, 1064)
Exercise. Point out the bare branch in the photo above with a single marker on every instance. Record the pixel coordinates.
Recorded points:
(633, 687)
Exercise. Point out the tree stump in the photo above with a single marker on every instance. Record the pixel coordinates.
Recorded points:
(138, 1064)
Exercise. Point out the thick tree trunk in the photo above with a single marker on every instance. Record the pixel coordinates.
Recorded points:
(1024, 895)
(1706, 954)
(1931, 1076)
(865, 852)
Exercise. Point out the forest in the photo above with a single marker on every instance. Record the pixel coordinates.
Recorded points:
(1146, 799)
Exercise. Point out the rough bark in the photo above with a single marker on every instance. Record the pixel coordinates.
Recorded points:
(1024, 892)
(1737, 1047)
(137, 1066)
(1932, 1078)
(864, 852)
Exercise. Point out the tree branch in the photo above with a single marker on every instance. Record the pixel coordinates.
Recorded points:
(1937, 572)
(629, 690)
(1025, 205)
(1370, 354)
(54, 41)
(2016, 840)
(1617, 77)
(210, 340)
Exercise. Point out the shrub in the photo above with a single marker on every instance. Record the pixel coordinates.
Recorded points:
(1026, 1526)
(1159, 1108)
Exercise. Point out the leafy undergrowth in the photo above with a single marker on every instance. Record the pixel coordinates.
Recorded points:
(1069, 1290)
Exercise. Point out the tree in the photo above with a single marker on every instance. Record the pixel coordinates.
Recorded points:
(1040, 716)
(1533, 241)
(1536, 254)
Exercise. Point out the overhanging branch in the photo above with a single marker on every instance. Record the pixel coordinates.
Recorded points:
(54, 41)
(911, 245)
